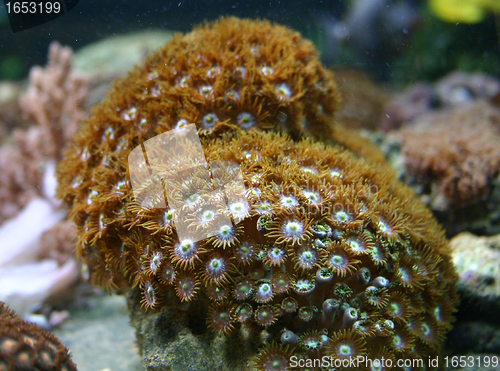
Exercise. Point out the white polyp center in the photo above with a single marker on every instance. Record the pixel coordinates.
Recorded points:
(266, 70)
(336, 260)
(187, 246)
(225, 231)
(307, 169)
(355, 244)
(245, 120)
(283, 89)
(345, 350)
(216, 264)
(208, 215)
(265, 289)
(276, 253)
(426, 330)
(403, 274)
(397, 341)
(209, 120)
(395, 308)
(293, 228)
(206, 90)
(334, 173)
(193, 199)
(307, 256)
(181, 124)
(169, 215)
(288, 201)
(341, 217)
(311, 196)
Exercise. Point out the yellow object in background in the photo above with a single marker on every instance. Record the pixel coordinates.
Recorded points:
(467, 11)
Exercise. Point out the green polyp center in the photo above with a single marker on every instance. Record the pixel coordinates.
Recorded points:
(244, 289)
(223, 315)
(394, 308)
(345, 350)
(293, 227)
(193, 198)
(265, 314)
(244, 249)
(209, 119)
(337, 259)
(276, 364)
(281, 282)
(341, 216)
(307, 255)
(354, 244)
(397, 340)
(225, 231)
(425, 329)
(215, 264)
(185, 286)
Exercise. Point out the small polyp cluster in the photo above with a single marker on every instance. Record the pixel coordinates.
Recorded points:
(25, 346)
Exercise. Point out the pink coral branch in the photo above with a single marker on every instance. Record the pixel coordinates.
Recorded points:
(55, 99)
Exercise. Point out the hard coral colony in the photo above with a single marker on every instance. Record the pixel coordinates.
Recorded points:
(328, 253)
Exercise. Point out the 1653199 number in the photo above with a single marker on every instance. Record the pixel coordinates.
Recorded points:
(33, 7)
(472, 361)
(28, 14)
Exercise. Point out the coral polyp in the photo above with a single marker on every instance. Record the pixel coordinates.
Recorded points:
(326, 252)
(25, 346)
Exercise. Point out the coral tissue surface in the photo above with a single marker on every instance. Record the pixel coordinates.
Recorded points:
(326, 252)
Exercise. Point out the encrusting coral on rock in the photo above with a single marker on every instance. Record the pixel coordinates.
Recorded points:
(458, 149)
(326, 253)
(442, 140)
(25, 346)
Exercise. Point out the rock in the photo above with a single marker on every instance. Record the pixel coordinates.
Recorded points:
(477, 329)
(177, 338)
(115, 56)
(477, 260)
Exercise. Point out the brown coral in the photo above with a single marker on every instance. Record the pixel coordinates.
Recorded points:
(316, 241)
(25, 346)
(458, 150)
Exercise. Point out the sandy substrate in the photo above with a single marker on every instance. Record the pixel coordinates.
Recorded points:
(100, 338)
